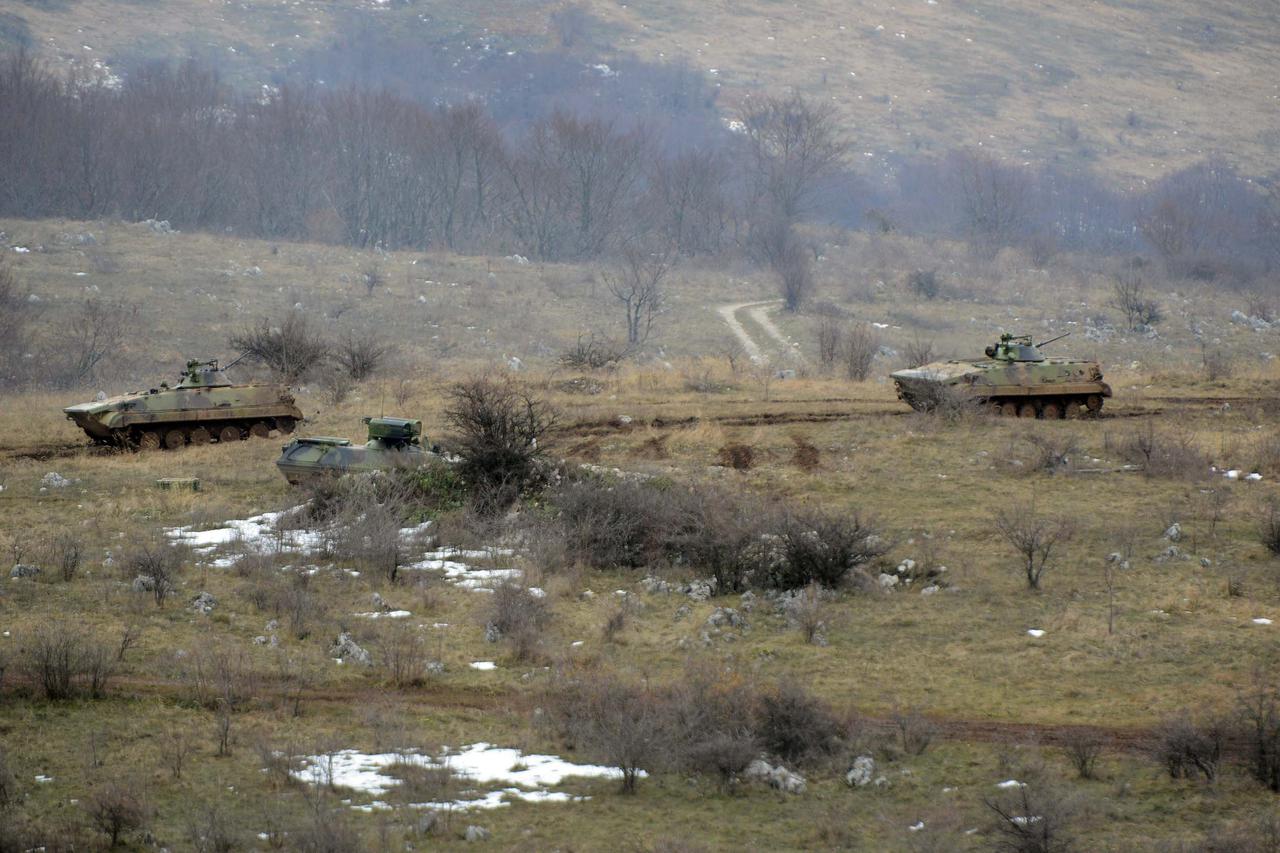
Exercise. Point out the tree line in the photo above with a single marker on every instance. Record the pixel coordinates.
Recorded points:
(372, 168)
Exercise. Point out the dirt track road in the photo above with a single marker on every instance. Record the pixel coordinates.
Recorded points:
(759, 314)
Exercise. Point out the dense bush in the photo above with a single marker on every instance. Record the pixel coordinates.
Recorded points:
(500, 431)
(1188, 749)
(823, 548)
(794, 725)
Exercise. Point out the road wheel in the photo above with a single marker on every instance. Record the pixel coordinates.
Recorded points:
(260, 430)
(1027, 410)
(1093, 403)
(175, 438)
(149, 441)
(286, 425)
(1008, 409)
(1052, 410)
(229, 434)
(200, 435)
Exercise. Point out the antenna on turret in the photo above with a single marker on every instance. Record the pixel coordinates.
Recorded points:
(1051, 340)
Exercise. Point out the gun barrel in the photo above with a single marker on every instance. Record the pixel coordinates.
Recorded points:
(1051, 340)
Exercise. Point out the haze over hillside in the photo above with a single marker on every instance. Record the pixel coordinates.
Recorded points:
(1133, 89)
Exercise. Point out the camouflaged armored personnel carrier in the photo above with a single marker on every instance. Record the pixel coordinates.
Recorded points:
(1015, 379)
(203, 407)
(393, 443)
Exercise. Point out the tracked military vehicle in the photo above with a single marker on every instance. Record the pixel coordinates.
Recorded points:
(205, 406)
(393, 443)
(1015, 379)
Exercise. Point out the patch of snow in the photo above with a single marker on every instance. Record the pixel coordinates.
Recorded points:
(390, 614)
(484, 665)
(1262, 620)
(1035, 632)
(523, 777)
(1009, 783)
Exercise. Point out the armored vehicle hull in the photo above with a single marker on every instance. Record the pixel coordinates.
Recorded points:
(393, 443)
(204, 407)
(1014, 380)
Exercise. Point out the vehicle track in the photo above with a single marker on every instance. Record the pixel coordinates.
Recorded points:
(1133, 739)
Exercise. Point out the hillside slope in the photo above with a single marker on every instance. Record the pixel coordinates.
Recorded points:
(1135, 89)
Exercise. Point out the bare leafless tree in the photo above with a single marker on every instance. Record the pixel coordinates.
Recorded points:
(637, 284)
(1129, 297)
(93, 337)
(1036, 538)
(994, 198)
(793, 144)
(360, 354)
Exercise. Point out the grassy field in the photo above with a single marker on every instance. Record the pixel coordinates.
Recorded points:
(1135, 89)
(1185, 634)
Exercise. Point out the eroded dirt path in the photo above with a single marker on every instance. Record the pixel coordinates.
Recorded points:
(729, 313)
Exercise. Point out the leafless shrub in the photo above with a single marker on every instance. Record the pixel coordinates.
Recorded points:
(593, 354)
(1051, 453)
(861, 345)
(719, 533)
(9, 795)
(572, 25)
(613, 525)
(500, 431)
(1269, 528)
(1083, 747)
(1258, 834)
(1036, 539)
(830, 341)
(614, 623)
(291, 349)
(794, 725)
(620, 723)
(65, 554)
(918, 352)
(1188, 749)
(1259, 709)
(924, 283)
(221, 679)
(17, 312)
(367, 515)
(776, 242)
(335, 386)
(53, 661)
(360, 355)
(518, 616)
(404, 654)
(915, 731)
(97, 664)
(1034, 817)
(815, 547)
(809, 613)
(1169, 454)
(1041, 249)
(373, 277)
(1217, 364)
(175, 747)
(116, 810)
(213, 832)
(158, 562)
(328, 829)
(1129, 297)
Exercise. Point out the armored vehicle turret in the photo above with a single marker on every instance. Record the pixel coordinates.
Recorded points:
(1015, 379)
(393, 443)
(204, 406)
